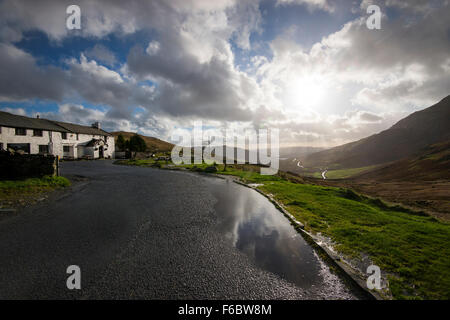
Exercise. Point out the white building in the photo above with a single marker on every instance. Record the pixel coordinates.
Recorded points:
(66, 140)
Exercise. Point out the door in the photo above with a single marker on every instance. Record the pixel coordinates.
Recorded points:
(68, 152)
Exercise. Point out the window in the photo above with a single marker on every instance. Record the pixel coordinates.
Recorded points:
(66, 148)
(64, 135)
(43, 148)
(38, 133)
(1, 146)
(0, 129)
(21, 132)
(19, 146)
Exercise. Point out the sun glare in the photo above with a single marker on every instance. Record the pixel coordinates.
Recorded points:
(305, 92)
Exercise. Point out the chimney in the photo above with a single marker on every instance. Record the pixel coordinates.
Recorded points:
(96, 125)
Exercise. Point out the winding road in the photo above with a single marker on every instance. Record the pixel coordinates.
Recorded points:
(141, 233)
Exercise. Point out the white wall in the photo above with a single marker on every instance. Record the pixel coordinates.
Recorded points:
(8, 135)
(111, 147)
(56, 143)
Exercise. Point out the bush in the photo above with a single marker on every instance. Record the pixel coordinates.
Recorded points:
(211, 169)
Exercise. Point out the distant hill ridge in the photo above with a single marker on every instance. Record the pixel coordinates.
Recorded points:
(404, 139)
(153, 144)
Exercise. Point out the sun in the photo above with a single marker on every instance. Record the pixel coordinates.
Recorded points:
(305, 92)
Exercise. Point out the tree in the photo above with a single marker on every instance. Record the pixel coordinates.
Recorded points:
(121, 143)
(137, 144)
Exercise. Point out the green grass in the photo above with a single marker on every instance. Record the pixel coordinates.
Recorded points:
(136, 162)
(15, 193)
(413, 248)
(248, 176)
(44, 182)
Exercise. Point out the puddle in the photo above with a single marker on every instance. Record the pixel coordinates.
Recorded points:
(253, 225)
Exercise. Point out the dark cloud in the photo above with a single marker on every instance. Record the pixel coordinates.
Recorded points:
(22, 79)
(191, 62)
(370, 117)
(188, 87)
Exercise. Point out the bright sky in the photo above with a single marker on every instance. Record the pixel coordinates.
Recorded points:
(308, 67)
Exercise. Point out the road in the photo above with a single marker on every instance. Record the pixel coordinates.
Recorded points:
(141, 233)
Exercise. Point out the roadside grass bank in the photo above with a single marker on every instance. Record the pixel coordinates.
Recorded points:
(17, 193)
(411, 248)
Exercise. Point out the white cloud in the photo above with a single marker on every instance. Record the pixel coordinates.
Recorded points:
(153, 47)
(382, 75)
(101, 53)
(311, 4)
(352, 83)
(92, 68)
(18, 111)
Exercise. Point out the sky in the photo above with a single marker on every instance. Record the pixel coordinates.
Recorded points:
(310, 68)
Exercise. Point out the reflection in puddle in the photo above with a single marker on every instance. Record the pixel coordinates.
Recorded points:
(254, 226)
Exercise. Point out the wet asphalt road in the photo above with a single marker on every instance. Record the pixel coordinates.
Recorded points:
(136, 233)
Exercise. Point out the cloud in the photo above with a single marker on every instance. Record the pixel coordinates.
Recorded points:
(311, 4)
(75, 113)
(382, 74)
(410, 6)
(153, 48)
(18, 111)
(104, 17)
(187, 87)
(22, 79)
(102, 54)
(350, 84)
(369, 117)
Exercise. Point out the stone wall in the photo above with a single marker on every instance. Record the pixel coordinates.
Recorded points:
(18, 166)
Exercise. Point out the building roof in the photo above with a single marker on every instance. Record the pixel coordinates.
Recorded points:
(16, 121)
(94, 143)
(76, 128)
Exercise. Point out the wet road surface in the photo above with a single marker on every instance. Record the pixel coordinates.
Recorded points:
(141, 233)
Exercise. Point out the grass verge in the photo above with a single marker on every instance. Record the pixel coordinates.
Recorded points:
(15, 193)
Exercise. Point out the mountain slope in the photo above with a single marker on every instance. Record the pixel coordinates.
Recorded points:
(404, 139)
(432, 163)
(153, 144)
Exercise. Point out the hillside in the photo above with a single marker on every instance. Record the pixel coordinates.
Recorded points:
(153, 144)
(297, 152)
(402, 140)
(432, 163)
